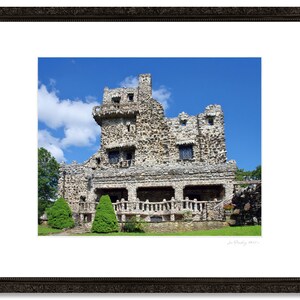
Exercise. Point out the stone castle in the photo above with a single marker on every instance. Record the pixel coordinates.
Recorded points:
(152, 167)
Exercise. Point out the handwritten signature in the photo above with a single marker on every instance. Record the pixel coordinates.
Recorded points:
(242, 243)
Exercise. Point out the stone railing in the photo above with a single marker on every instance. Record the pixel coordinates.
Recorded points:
(77, 206)
(164, 207)
(126, 163)
(185, 209)
(112, 108)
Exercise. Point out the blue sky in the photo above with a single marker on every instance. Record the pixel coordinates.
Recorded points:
(68, 88)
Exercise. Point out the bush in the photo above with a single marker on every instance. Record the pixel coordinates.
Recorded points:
(60, 215)
(133, 225)
(105, 219)
(187, 215)
(228, 206)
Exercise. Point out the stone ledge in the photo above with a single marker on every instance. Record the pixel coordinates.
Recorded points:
(178, 226)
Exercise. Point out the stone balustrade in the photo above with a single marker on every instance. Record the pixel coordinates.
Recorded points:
(78, 206)
(167, 210)
(162, 207)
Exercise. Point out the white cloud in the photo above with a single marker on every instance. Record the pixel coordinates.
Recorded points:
(52, 82)
(52, 144)
(90, 99)
(162, 95)
(75, 117)
(130, 82)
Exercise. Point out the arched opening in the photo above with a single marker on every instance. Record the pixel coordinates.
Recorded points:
(114, 193)
(204, 192)
(155, 194)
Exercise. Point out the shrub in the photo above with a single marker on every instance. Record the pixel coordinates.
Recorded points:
(105, 219)
(133, 225)
(187, 215)
(228, 206)
(60, 215)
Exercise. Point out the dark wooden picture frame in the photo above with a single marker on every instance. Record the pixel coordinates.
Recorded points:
(149, 285)
(149, 14)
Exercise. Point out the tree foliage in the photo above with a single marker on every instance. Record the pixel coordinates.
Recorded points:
(256, 174)
(60, 215)
(241, 174)
(134, 225)
(48, 174)
(105, 219)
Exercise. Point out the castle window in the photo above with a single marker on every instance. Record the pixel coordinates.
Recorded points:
(129, 156)
(186, 152)
(89, 185)
(114, 157)
(210, 120)
(116, 99)
(130, 96)
(183, 122)
(98, 160)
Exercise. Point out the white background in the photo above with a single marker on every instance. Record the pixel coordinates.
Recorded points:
(149, 3)
(23, 253)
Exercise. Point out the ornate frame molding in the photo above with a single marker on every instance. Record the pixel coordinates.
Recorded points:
(149, 14)
(149, 285)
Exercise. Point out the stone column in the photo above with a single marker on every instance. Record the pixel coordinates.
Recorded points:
(131, 193)
(228, 192)
(178, 187)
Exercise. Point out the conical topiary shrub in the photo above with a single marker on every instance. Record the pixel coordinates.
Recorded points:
(60, 215)
(105, 219)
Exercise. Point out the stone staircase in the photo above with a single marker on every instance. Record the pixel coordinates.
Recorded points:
(76, 230)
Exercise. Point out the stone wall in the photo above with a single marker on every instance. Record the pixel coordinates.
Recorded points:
(180, 226)
(212, 137)
(139, 123)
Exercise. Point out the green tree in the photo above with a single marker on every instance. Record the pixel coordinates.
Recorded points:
(105, 219)
(241, 174)
(48, 174)
(256, 174)
(60, 215)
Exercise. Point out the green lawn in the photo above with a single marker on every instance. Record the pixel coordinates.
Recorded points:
(45, 230)
(226, 231)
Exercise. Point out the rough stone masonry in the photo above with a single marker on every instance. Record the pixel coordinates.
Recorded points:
(152, 167)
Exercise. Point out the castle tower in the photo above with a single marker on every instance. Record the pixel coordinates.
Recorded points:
(145, 87)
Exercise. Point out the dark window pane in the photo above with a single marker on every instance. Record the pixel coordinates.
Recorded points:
(114, 157)
(116, 99)
(130, 97)
(210, 121)
(186, 152)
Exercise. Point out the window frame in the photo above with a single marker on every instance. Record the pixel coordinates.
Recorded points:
(181, 149)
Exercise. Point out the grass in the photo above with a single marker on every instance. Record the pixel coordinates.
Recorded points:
(45, 230)
(226, 231)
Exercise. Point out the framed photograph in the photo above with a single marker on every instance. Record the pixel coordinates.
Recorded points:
(151, 149)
